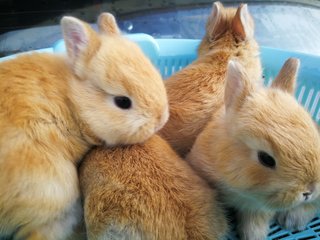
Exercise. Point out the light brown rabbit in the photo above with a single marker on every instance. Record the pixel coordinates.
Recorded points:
(145, 191)
(262, 150)
(54, 108)
(197, 91)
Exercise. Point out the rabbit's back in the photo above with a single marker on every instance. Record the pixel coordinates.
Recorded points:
(30, 85)
(190, 112)
(34, 102)
(37, 140)
(148, 192)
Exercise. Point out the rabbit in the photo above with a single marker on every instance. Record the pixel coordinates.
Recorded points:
(54, 108)
(146, 191)
(197, 91)
(261, 150)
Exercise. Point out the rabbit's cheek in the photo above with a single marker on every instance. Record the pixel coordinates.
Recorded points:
(162, 119)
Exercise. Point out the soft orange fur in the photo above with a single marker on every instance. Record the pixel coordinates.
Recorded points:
(146, 191)
(53, 109)
(258, 119)
(197, 91)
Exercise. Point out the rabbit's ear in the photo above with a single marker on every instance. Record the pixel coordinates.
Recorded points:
(77, 36)
(216, 23)
(242, 23)
(107, 24)
(286, 79)
(237, 86)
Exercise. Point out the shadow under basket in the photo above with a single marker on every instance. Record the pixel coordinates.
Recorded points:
(171, 55)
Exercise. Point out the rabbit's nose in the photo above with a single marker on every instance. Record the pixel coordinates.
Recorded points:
(306, 195)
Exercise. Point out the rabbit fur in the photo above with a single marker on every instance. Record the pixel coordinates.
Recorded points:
(146, 191)
(197, 91)
(54, 108)
(262, 150)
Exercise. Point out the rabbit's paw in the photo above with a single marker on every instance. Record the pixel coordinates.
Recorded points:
(295, 219)
(254, 233)
(253, 226)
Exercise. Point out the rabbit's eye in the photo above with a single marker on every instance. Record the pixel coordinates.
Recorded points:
(266, 160)
(122, 102)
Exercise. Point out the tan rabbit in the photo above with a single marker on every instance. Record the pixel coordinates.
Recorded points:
(197, 91)
(262, 150)
(145, 191)
(54, 108)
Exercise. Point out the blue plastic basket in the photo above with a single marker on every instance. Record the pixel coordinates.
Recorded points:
(171, 55)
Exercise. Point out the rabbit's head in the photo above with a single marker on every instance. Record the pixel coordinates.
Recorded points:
(118, 92)
(270, 151)
(228, 28)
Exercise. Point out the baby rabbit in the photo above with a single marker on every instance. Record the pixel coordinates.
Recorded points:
(262, 150)
(145, 191)
(53, 109)
(197, 91)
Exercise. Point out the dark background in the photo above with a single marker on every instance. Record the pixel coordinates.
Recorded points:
(17, 14)
(29, 25)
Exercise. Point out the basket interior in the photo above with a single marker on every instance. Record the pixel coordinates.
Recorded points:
(171, 55)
